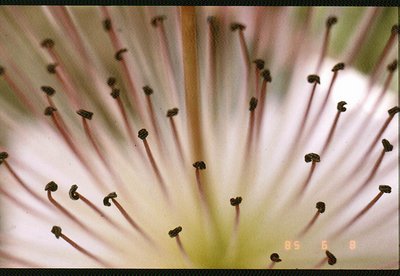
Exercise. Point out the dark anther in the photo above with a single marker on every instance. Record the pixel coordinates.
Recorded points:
(386, 145)
(157, 19)
(72, 192)
(175, 232)
(259, 64)
(394, 110)
(236, 201)
(51, 68)
(385, 189)
(111, 81)
(253, 104)
(143, 133)
(236, 26)
(395, 29)
(85, 114)
(340, 106)
(107, 24)
(147, 90)
(48, 90)
(312, 157)
(51, 186)
(200, 165)
(337, 67)
(313, 79)
(266, 74)
(118, 54)
(331, 258)
(3, 155)
(115, 93)
(47, 43)
(275, 258)
(49, 110)
(172, 112)
(320, 206)
(106, 200)
(56, 230)
(332, 20)
(2, 70)
(392, 66)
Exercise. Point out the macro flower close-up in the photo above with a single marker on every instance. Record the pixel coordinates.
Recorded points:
(199, 137)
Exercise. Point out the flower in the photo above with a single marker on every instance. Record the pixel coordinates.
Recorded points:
(157, 137)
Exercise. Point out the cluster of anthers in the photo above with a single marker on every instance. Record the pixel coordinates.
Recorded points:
(217, 126)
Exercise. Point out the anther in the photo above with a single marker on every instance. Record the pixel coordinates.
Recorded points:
(392, 66)
(118, 54)
(72, 192)
(107, 24)
(259, 64)
(51, 186)
(200, 165)
(50, 91)
(172, 112)
(340, 106)
(57, 231)
(111, 81)
(253, 104)
(85, 114)
(115, 93)
(143, 133)
(395, 29)
(337, 67)
(312, 157)
(320, 206)
(106, 200)
(47, 43)
(394, 110)
(386, 145)
(237, 26)
(51, 68)
(332, 20)
(236, 201)
(3, 155)
(49, 111)
(175, 232)
(147, 90)
(266, 74)
(385, 189)
(331, 258)
(313, 79)
(157, 19)
(2, 70)
(275, 258)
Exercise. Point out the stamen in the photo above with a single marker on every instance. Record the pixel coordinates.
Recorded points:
(200, 165)
(252, 107)
(330, 258)
(314, 158)
(240, 27)
(320, 112)
(111, 81)
(56, 230)
(113, 196)
(191, 75)
(332, 20)
(236, 202)
(171, 113)
(107, 24)
(174, 233)
(274, 259)
(142, 134)
(118, 54)
(382, 190)
(149, 91)
(386, 50)
(340, 108)
(51, 68)
(263, 94)
(212, 50)
(321, 209)
(259, 65)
